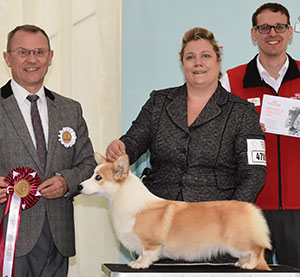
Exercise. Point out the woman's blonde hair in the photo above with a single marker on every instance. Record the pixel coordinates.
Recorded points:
(199, 33)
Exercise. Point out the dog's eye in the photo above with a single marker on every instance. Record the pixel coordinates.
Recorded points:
(98, 177)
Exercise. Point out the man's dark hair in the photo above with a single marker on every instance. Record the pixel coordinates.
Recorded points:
(25, 28)
(274, 7)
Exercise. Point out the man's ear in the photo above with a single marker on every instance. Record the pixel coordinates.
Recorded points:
(290, 30)
(6, 57)
(51, 54)
(253, 34)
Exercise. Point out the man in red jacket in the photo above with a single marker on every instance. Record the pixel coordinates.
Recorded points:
(274, 72)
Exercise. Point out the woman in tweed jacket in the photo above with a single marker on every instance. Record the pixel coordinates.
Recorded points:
(205, 144)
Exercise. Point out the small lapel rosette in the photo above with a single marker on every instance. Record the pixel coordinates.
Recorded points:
(22, 194)
(67, 137)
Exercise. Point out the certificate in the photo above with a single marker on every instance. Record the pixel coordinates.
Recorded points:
(281, 115)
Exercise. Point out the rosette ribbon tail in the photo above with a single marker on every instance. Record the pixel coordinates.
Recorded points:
(2, 243)
(22, 194)
(11, 236)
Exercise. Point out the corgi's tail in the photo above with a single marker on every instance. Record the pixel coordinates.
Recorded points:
(260, 228)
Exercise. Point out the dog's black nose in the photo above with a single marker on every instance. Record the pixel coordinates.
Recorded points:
(80, 187)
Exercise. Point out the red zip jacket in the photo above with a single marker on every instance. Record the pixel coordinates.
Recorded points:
(282, 186)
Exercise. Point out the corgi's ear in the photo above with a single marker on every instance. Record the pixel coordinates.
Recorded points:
(121, 167)
(99, 158)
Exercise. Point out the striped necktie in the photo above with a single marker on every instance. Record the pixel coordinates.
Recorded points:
(38, 130)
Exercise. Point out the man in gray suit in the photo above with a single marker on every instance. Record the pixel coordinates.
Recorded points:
(46, 230)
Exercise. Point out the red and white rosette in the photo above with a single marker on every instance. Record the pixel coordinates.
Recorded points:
(22, 194)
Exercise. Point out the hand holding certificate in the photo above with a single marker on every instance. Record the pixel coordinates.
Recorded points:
(281, 115)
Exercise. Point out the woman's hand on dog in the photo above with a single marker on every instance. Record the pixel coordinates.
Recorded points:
(115, 150)
(3, 190)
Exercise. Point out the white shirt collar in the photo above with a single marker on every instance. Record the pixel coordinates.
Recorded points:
(20, 93)
(264, 75)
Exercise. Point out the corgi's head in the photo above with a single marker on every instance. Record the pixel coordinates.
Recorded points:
(107, 177)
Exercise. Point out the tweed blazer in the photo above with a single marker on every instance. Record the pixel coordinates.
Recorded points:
(202, 162)
(75, 163)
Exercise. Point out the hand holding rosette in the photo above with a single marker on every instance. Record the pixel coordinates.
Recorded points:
(22, 194)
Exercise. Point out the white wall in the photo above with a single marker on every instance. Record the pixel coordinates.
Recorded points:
(86, 39)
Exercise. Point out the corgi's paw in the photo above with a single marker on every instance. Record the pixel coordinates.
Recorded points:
(237, 264)
(146, 259)
(248, 266)
(140, 263)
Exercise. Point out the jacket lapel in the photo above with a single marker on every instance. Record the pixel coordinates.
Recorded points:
(53, 127)
(15, 116)
(177, 108)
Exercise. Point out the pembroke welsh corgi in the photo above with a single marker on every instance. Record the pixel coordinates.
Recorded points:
(156, 228)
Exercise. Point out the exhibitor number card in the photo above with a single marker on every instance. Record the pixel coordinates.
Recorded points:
(281, 115)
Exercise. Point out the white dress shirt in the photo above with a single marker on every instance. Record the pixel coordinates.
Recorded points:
(274, 83)
(24, 104)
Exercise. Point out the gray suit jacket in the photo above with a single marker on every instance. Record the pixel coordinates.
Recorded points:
(75, 163)
(205, 161)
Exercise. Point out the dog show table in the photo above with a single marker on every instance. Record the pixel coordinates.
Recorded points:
(202, 270)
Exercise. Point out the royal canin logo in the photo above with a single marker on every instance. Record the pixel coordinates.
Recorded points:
(297, 96)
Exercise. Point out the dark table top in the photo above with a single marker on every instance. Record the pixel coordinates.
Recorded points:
(185, 268)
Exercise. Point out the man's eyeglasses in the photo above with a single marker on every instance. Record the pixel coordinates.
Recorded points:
(266, 29)
(22, 52)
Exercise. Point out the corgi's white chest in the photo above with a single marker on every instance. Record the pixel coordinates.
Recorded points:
(131, 198)
(123, 226)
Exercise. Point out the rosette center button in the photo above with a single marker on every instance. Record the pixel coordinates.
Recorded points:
(22, 188)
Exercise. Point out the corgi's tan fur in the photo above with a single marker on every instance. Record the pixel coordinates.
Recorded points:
(156, 228)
